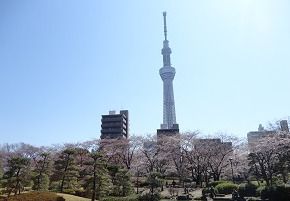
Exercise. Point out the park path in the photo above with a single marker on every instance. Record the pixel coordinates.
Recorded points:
(196, 193)
(68, 197)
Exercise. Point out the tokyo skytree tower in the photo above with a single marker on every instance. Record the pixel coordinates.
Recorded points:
(167, 73)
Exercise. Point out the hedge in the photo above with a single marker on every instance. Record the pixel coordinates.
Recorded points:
(215, 183)
(276, 193)
(247, 190)
(148, 196)
(226, 188)
(128, 198)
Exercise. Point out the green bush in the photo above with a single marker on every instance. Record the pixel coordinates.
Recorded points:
(69, 191)
(276, 193)
(266, 192)
(226, 188)
(254, 199)
(36, 196)
(207, 191)
(148, 196)
(199, 198)
(215, 183)
(54, 186)
(187, 180)
(41, 182)
(259, 190)
(128, 198)
(143, 184)
(247, 189)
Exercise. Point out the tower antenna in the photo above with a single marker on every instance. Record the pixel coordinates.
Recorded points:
(165, 28)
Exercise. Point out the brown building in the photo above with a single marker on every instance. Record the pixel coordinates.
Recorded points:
(115, 126)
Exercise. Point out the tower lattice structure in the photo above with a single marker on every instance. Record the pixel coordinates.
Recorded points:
(167, 73)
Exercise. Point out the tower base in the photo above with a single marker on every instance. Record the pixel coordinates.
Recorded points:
(167, 132)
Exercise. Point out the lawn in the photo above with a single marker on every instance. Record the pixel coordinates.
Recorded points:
(34, 196)
(68, 197)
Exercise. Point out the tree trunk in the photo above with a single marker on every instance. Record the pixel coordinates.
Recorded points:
(17, 182)
(206, 180)
(94, 183)
(40, 173)
(284, 176)
(137, 181)
(63, 177)
(198, 179)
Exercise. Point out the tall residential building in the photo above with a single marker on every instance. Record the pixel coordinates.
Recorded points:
(115, 126)
(167, 73)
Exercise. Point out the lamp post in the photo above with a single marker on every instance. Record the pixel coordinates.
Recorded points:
(231, 161)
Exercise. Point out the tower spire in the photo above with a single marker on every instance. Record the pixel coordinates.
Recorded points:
(166, 51)
(167, 73)
(165, 27)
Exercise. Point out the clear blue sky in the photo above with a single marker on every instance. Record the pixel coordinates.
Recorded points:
(64, 63)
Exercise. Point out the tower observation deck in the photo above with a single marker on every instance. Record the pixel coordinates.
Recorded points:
(167, 73)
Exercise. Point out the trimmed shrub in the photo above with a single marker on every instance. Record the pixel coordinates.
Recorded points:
(276, 193)
(226, 188)
(247, 189)
(145, 197)
(36, 196)
(215, 183)
(148, 196)
(253, 199)
(207, 191)
(199, 198)
(266, 192)
(259, 190)
(128, 198)
(54, 186)
(187, 180)
(143, 184)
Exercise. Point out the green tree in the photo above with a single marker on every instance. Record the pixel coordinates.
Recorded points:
(97, 181)
(153, 181)
(121, 181)
(41, 172)
(17, 175)
(66, 171)
(1, 172)
(122, 185)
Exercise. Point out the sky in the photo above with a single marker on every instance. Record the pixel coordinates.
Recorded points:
(64, 63)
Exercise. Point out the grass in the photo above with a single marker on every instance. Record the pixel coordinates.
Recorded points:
(68, 197)
(35, 196)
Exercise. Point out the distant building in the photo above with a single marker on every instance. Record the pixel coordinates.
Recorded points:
(216, 142)
(284, 126)
(115, 126)
(255, 136)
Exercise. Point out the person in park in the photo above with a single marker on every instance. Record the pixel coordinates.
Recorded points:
(173, 183)
(235, 195)
(203, 197)
(212, 193)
